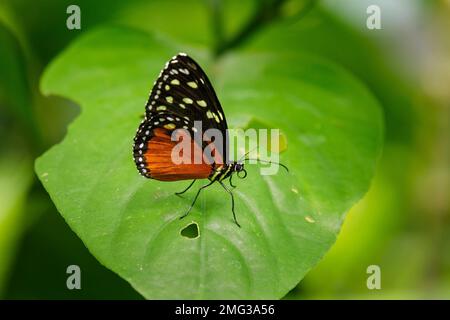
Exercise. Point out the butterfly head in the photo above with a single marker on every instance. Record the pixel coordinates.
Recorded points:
(238, 167)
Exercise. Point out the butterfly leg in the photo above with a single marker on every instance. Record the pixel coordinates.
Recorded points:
(231, 183)
(232, 203)
(181, 192)
(196, 196)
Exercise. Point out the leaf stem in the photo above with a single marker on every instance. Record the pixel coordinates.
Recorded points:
(216, 21)
(266, 13)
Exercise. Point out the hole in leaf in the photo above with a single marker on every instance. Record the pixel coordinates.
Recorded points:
(190, 231)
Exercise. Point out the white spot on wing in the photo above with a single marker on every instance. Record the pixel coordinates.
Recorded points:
(192, 84)
(201, 103)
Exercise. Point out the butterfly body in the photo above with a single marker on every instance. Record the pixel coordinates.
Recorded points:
(182, 97)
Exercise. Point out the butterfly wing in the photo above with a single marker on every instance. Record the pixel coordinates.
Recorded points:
(181, 95)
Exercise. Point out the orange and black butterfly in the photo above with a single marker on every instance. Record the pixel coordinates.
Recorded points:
(182, 95)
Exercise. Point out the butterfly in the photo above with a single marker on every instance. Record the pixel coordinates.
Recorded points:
(181, 97)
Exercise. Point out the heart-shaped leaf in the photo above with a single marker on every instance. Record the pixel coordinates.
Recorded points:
(333, 130)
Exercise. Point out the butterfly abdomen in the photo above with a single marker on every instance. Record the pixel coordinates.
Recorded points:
(221, 172)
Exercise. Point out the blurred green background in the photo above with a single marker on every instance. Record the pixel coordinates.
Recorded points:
(402, 224)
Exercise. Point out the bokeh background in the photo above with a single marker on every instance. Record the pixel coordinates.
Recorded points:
(402, 224)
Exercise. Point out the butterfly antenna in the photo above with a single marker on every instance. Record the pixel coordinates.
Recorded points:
(268, 161)
(246, 154)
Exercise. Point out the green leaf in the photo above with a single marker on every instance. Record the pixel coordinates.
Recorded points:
(333, 130)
